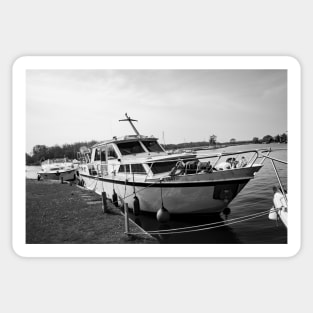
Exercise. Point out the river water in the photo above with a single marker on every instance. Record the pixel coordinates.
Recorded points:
(256, 197)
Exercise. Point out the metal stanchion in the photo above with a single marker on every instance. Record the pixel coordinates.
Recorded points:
(126, 218)
(104, 202)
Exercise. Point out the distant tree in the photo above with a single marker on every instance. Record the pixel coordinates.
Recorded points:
(212, 141)
(268, 139)
(29, 159)
(39, 153)
(69, 151)
(255, 140)
(39, 149)
(55, 152)
(233, 140)
(277, 138)
(42, 152)
(284, 138)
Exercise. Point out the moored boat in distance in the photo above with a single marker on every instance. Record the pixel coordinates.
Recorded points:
(137, 166)
(57, 169)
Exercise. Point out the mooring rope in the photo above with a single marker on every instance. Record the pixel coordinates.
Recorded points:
(274, 159)
(138, 191)
(206, 228)
(198, 227)
(214, 223)
(94, 187)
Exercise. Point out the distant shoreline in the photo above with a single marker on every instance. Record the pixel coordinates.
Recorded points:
(213, 147)
(193, 146)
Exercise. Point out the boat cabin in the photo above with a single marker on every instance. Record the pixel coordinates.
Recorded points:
(126, 147)
(128, 155)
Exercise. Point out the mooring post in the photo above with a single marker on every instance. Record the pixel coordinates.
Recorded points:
(126, 218)
(104, 202)
(61, 179)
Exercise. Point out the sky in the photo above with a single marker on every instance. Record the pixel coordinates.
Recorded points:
(67, 106)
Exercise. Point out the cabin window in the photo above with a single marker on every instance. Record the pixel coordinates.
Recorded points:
(138, 169)
(103, 157)
(100, 155)
(97, 155)
(111, 152)
(124, 168)
(133, 147)
(152, 146)
(162, 167)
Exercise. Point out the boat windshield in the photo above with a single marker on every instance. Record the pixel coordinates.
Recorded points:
(56, 168)
(52, 161)
(163, 167)
(132, 147)
(59, 160)
(152, 146)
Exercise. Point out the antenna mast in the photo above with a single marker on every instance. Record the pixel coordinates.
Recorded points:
(130, 120)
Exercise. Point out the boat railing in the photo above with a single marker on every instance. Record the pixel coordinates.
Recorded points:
(273, 160)
(199, 168)
(83, 157)
(205, 157)
(209, 156)
(103, 169)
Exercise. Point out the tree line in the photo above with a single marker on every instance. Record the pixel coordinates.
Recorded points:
(283, 138)
(42, 152)
(214, 143)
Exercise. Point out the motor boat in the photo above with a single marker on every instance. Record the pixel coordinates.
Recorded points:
(136, 168)
(58, 169)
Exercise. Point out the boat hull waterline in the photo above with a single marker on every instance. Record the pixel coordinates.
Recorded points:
(183, 195)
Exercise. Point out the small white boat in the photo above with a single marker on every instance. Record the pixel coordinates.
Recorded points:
(136, 167)
(280, 204)
(279, 209)
(280, 197)
(58, 169)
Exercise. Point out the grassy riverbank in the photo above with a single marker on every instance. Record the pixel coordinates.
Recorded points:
(62, 213)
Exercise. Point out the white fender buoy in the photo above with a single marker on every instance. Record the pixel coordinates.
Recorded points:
(163, 215)
(272, 215)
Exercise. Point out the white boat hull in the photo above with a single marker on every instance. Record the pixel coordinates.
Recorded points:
(186, 194)
(58, 175)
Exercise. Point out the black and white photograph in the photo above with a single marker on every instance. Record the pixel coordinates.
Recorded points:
(156, 156)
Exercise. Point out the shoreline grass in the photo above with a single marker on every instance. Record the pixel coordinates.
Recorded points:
(66, 214)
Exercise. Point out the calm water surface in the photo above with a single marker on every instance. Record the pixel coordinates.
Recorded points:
(256, 197)
(31, 171)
